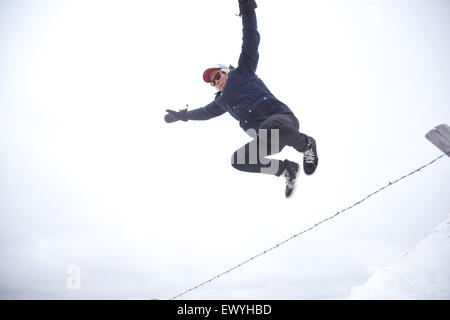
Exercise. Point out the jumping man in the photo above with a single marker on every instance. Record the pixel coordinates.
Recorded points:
(270, 122)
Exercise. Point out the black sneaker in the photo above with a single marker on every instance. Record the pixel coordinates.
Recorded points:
(290, 173)
(310, 158)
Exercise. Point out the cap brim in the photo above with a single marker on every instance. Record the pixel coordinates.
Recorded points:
(207, 73)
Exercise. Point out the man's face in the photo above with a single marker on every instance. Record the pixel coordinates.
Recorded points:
(220, 83)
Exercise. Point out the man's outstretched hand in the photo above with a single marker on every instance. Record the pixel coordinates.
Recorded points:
(173, 116)
(246, 6)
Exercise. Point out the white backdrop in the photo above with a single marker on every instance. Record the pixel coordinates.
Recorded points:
(91, 176)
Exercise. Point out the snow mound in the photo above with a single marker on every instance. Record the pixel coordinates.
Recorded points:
(421, 273)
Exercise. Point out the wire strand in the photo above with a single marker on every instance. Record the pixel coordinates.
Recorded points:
(390, 184)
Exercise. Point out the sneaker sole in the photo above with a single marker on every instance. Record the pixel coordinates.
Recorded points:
(293, 189)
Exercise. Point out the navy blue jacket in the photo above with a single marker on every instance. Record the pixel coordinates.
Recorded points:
(244, 95)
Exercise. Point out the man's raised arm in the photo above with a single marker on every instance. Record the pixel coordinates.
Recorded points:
(248, 60)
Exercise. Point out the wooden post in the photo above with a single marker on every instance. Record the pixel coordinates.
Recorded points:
(440, 137)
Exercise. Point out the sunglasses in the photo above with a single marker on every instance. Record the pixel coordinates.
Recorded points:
(216, 78)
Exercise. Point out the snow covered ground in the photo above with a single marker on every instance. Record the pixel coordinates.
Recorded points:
(421, 273)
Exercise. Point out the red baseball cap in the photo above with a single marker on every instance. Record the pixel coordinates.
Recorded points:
(207, 73)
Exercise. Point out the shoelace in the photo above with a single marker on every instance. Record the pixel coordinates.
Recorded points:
(288, 177)
(309, 156)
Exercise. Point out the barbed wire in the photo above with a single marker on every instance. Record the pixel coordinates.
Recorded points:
(311, 228)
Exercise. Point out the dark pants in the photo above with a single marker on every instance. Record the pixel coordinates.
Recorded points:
(274, 134)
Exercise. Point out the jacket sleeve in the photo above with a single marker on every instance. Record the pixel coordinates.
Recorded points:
(211, 110)
(248, 60)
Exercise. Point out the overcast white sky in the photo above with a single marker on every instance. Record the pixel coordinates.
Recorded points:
(91, 176)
